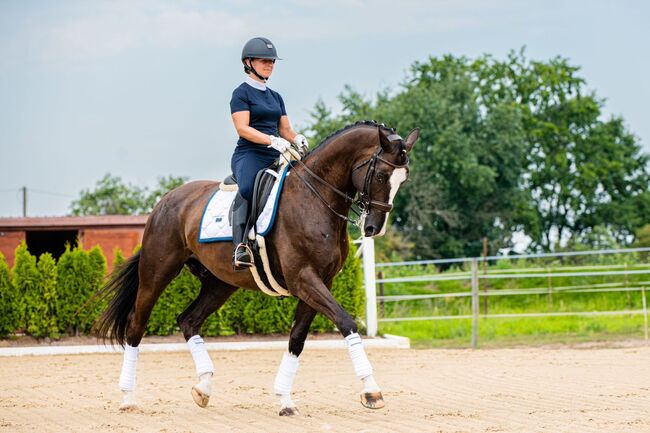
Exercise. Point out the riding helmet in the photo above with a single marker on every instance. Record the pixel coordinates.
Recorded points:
(259, 48)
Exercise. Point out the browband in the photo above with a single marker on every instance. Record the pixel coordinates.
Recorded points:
(394, 137)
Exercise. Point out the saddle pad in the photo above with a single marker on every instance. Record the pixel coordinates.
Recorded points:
(215, 222)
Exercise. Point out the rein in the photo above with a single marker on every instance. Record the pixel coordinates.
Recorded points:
(364, 201)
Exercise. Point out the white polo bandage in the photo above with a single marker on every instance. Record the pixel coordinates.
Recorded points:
(129, 366)
(286, 374)
(202, 360)
(362, 367)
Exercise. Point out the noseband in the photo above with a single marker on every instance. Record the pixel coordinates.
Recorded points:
(364, 201)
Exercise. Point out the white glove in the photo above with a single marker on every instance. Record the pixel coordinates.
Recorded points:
(279, 143)
(300, 141)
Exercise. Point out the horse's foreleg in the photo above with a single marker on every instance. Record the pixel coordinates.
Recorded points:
(371, 396)
(289, 365)
(313, 291)
(213, 295)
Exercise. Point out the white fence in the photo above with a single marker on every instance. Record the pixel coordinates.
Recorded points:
(474, 276)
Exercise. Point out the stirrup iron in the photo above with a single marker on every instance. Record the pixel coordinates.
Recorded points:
(239, 254)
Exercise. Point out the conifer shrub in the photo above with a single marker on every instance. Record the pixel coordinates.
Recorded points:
(9, 309)
(81, 273)
(26, 281)
(42, 320)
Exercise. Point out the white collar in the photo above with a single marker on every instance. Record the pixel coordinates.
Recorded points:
(255, 84)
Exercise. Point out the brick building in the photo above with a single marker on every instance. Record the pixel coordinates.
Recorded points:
(50, 234)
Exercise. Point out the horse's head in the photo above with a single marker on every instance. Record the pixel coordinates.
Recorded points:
(378, 178)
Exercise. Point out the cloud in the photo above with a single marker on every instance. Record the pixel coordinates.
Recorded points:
(88, 31)
(177, 27)
(79, 31)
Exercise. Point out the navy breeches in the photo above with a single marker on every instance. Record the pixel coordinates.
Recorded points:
(245, 166)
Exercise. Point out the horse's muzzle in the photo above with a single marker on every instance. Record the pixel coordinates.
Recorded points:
(370, 230)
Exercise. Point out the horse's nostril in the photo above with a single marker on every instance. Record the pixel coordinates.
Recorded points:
(370, 231)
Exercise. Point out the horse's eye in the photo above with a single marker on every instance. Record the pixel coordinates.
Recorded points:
(381, 177)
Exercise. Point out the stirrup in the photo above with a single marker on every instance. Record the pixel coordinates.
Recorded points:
(242, 257)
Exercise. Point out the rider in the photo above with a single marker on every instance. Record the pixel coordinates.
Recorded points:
(264, 132)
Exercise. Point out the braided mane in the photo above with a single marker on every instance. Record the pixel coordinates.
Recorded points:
(350, 126)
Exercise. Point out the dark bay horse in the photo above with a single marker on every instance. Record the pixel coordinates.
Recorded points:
(307, 248)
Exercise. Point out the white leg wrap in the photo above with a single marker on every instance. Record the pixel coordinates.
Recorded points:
(362, 367)
(200, 355)
(129, 366)
(286, 374)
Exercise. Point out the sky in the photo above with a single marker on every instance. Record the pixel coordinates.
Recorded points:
(141, 89)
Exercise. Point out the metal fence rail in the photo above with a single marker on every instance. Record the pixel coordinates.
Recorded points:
(475, 277)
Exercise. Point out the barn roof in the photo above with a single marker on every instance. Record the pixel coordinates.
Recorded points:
(73, 222)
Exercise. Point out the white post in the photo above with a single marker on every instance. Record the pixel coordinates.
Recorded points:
(368, 245)
(645, 315)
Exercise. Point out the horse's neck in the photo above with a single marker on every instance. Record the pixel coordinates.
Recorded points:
(334, 163)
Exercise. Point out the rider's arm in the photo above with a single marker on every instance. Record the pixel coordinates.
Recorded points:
(241, 120)
(285, 129)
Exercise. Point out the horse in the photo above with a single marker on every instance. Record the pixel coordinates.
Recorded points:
(307, 247)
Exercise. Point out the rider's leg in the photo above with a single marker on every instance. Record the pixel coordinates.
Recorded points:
(242, 256)
(245, 165)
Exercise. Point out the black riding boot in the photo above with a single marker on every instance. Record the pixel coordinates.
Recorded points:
(242, 257)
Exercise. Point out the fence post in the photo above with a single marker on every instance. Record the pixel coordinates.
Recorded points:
(475, 302)
(645, 315)
(485, 283)
(368, 245)
(380, 274)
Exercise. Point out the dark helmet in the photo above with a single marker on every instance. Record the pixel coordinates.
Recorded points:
(259, 48)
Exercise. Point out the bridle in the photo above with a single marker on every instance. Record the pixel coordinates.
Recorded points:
(364, 202)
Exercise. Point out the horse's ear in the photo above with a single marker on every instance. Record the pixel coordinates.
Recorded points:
(383, 140)
(411, 139)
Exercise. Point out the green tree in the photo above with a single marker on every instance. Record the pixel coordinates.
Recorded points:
(506, 145)
(582, 171)
(42, 321)
(9, 308)
(26, 281)
(112, 196)
(81, 273)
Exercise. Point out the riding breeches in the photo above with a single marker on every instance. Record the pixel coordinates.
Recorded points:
(245, 165)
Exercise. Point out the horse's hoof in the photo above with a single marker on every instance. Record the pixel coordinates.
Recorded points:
(289, 411)
(128, 407)
(372, 400)
(199, 397)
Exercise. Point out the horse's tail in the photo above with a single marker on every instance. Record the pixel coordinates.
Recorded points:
(123, 287)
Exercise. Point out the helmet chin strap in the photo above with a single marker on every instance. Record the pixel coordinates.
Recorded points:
(250, 68)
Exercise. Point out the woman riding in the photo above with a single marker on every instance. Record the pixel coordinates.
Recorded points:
(264, 131)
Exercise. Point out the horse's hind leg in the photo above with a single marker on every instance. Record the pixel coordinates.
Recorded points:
(156, 269)
(214, 293)
(289, 365)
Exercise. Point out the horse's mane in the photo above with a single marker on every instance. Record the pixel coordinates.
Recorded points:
(348, 127)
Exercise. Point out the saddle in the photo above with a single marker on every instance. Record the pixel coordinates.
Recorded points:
(264, 181)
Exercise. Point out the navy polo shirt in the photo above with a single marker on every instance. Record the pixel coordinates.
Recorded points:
(265, 107)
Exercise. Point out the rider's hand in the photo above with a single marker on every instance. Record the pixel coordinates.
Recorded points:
(279, 143)
(300, 141)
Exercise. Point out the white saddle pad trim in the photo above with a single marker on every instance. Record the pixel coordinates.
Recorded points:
(215, 221)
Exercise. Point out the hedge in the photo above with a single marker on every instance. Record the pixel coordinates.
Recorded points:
(253, 312)
(9, 308)
(47, 298)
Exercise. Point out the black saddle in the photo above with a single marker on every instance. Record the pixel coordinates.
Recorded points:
(230, 180)
(262, 187)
